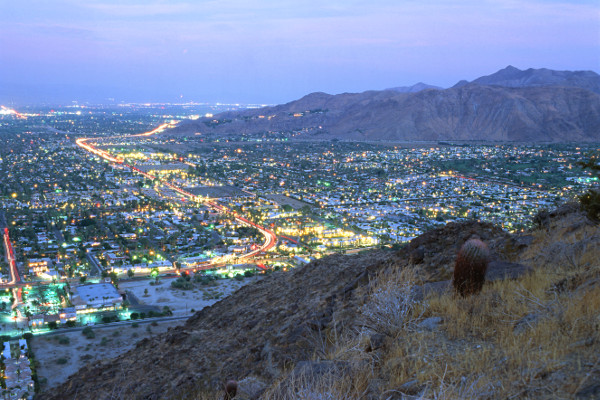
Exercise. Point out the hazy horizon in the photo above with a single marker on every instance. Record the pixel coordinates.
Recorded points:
(274, 52)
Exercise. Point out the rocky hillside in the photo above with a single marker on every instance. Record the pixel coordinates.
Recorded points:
(511, 105)
(417, 87)
(384, 324)
(514, 77)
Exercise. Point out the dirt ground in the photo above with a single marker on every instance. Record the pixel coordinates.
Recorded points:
(282, 200)
(181, 302)
(61, 355)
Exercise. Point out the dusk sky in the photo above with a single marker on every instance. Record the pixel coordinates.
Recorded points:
(262, 51)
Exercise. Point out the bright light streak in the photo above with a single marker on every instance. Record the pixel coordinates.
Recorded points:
(158, 129)
(270, 237)
(10, 111)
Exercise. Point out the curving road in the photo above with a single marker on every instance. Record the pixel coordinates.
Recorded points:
(270, 237)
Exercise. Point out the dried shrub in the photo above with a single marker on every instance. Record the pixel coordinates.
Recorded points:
(391, 306)
(590, 203)
(334, 382)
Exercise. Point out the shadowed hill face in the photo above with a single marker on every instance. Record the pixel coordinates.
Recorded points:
(266, 327)
(270, 326)
(414, 88)
(514, 77)
(259, 330)
(470, 112)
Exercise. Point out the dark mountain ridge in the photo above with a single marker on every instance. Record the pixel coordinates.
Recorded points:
(417, 87)
(471, 112)
(514, 77)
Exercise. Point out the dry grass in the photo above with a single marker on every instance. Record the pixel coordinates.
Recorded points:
(346, 382)
(201, 393)
(392, 308)
(535, 337)
(517, 339)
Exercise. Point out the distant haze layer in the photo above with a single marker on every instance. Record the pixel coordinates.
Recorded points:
(274, 51)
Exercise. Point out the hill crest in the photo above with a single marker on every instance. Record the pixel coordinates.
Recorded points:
(270, 326)
(511, 105)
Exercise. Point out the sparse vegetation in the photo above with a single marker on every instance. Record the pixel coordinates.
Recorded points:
(88, 332)
(392, 306)
(339, 381)
(380, 334)
(590, 201)
(533, 337)
(182, 283)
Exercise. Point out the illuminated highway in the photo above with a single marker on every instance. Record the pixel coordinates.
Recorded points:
(10, 257)
(10, 111)
(270, 237)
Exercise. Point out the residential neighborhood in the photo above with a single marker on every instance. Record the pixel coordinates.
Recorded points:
(117, 228)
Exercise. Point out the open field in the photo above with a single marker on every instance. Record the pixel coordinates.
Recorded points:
(283, 200)
(62, 354)
(181, 302)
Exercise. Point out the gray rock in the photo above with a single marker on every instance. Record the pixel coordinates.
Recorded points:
(521, 242)
(375, 387)
(499, 270)
(430, 324)
(526, 323)
(250, 388)
(410, 387)
(417, 256)
(376, 341)
(589, 392)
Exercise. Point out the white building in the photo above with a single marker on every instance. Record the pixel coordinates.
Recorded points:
(96, 295)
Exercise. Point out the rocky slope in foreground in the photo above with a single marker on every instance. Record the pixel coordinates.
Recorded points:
(262, 331)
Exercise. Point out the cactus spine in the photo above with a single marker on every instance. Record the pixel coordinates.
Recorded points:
(471, 264)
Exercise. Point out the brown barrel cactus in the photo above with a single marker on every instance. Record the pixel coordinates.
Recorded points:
(471, 263)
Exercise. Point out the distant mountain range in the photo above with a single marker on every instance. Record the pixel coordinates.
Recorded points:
(514, 77)
(535, 105)
(414, 88)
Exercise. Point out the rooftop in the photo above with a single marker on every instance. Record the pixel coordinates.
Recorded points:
(97, 291)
